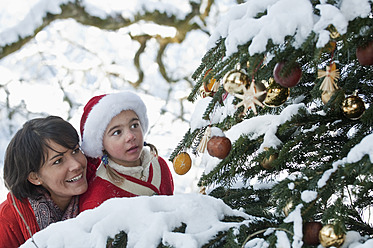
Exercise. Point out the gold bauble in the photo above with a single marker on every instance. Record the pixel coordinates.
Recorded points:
(234, 80)
(328, 237)
(276, 94)
(288, 208)
(267, 162)
(353, 107)
(326, 95)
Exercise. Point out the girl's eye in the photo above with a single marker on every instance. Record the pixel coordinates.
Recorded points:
(116, 132)
(135, 125)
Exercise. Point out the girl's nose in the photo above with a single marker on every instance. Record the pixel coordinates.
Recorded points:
(130, 136)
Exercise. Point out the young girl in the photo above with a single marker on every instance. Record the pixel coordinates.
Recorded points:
(112, 129)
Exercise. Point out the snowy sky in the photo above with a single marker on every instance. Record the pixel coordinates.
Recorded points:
(201, 213)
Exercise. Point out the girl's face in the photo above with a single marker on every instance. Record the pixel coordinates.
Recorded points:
(63, 174)
(123, 139)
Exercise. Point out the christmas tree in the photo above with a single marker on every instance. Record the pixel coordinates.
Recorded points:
(283, 122)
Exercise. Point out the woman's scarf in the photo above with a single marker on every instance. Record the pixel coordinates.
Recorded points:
(47, 212)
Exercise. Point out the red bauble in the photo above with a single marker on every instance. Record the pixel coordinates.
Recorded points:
(290, 79)
(219, 146)
(311, 233)
(364, 54)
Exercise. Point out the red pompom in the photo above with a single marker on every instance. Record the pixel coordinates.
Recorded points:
(290, 79)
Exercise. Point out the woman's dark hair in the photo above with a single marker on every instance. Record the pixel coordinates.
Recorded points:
(28, 149)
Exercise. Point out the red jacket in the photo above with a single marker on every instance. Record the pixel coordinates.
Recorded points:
(13, 231)
(100, 188)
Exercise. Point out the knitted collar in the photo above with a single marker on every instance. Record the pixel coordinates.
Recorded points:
(139, 172)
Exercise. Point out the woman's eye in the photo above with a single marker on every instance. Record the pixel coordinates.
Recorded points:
(58, 161)
(77, 150)
(136, 125)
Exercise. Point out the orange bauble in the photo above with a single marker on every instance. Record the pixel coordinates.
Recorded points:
(219, 146)
(182, 163)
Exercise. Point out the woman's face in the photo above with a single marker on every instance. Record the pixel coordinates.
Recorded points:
(123, 139)
(63, 174)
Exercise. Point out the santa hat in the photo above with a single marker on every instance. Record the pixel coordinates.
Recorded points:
(98, 113)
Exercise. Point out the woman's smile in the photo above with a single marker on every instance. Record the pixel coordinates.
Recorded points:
(75, 179)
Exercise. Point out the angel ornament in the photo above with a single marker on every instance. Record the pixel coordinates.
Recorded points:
(331, 75)
(329, 84)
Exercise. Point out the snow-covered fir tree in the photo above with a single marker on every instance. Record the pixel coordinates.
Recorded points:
(289, 84)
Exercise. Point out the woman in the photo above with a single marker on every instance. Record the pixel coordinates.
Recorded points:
(45, 172)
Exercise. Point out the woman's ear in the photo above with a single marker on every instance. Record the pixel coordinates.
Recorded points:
(33, 178)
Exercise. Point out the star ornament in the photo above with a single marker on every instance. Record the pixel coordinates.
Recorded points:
(249, 98)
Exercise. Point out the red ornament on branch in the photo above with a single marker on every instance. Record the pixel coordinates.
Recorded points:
(364, 54)
(311, 232)
(289, 79)
(218, 146)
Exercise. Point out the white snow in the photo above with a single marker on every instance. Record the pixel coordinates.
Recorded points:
(308, 196)
(146, 220)
(283, 17)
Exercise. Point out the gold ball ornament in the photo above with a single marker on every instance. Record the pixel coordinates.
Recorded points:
(267, 162)
(353, 107)
(182, 163)
(276, 94)
(234, 80)
(288, 208)
(328, 237)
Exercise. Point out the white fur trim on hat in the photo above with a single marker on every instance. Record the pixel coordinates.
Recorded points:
(101, 114)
